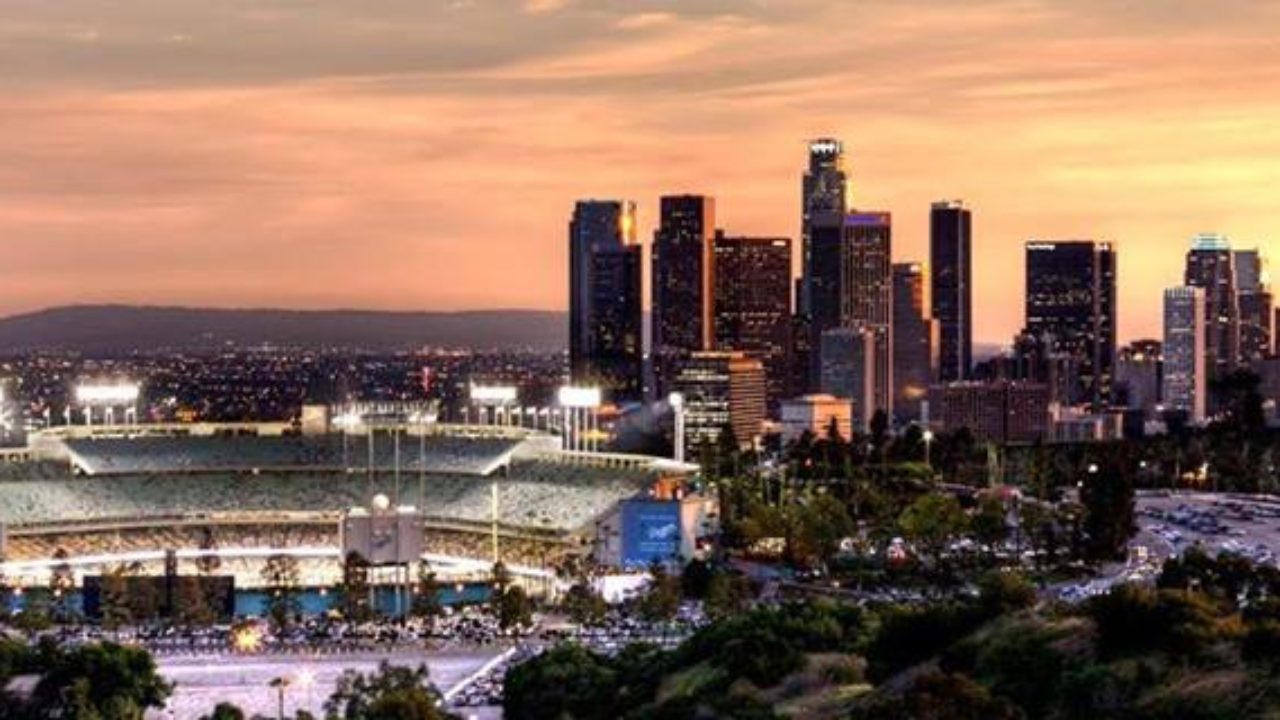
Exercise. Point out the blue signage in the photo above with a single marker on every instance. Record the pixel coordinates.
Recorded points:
(650, 531)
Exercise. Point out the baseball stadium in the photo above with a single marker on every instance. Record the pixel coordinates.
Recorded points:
(81, 499)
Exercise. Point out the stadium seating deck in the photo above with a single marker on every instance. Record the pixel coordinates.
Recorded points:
(531, 494)
(443, 454)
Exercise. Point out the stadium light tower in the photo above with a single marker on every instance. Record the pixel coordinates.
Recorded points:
(582, 406)
(676, 400)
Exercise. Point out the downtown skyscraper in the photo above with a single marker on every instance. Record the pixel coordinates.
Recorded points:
(915, 342)
(606, 307)
(1211, 266)
(683, 283)
(866, 297)
(824, 203)
(753, 304)
(951, 268)
(1184, 381)
(1255, 300)
(1071, 310)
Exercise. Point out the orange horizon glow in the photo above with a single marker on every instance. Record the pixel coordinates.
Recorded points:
(426, 156)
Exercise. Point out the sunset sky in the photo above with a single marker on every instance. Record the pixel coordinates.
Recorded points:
(425, 154)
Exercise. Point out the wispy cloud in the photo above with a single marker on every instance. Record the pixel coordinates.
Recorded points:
(382, 153)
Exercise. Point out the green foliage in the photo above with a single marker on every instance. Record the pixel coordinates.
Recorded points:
(584, 605)
(225, 711)
(392, 693)
(940, 696)
(1001, 592)
(100, 680)
(932, 520)
(566, 682)
(515, 608)
(910, 635)
(281, 578)
(1132, 619)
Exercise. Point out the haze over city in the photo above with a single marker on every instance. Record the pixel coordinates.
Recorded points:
(426, 155)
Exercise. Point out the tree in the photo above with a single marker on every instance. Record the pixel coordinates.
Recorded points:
(989, 524)
(354, 591)
(192, 603)
(727, 595)
(224, 711)
(584, 605)
(1107, 495)
(932, 520)
(515, 608)
(426, 597)
(392, 693)
(100, 680)
(662, 600)
(61, 583)
(823, 523)
(567, 681)
(281, 578)
(114, 598)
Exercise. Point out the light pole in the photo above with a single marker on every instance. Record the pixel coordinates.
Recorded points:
(928, 441)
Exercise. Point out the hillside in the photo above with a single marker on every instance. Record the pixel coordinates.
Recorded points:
(119, 328)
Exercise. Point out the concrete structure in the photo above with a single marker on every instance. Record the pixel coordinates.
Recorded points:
(1186, 356)
(814, 414)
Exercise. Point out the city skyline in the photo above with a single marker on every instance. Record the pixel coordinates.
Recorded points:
(208, 155)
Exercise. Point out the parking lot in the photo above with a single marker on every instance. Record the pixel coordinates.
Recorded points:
(1246, 525)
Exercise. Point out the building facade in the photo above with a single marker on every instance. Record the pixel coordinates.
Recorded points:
(848, 370)
(1211, 267)
(824, 203)
(951, 279)
(915, 343)
(753, 305)
(1186, 360)
(999, 411)
(721, 390)
(815, 414)
(1256, 306)
(867, 293)
(606, 310)
(1071, 307)
(683, 283)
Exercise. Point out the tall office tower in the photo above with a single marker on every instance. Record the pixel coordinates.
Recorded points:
(867, 292)
(824, 202)
(849, 370)
(721, 390)
(606, 311)
(915, 343)
(1210, 266)
(1138, 375)
(950, 256)
(1256, 312)
(753, 304)
(1186, 359)
(1071, 302)
(683, 282)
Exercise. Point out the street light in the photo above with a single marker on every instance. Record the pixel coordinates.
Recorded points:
(928, 441)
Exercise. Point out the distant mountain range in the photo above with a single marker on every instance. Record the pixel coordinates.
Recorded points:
(122, 328)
